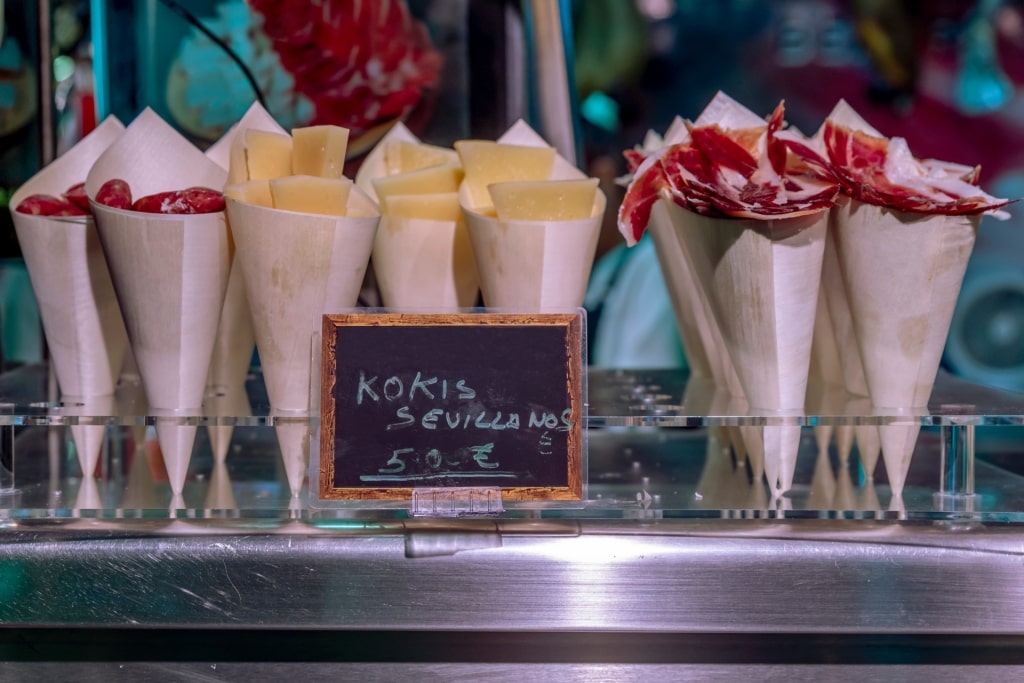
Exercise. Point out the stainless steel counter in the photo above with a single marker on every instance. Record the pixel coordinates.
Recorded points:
(676, 564)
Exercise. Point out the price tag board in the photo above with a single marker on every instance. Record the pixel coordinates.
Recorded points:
(480, 399)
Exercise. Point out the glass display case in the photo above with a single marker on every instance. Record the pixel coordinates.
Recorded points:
(679, 561)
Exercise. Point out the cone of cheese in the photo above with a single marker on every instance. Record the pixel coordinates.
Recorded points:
(159, 214)
(748, 203)
(903, 244)
(303, 236)
(81, 319)
(232, 354)
(422, 257)
(533, 221)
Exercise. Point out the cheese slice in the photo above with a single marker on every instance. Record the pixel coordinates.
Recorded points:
(311, 194)
(267, 155)
(401, 156)
(443, 206)
(434, 179)
(319, 151)
(486, 163)
(252, 192)
(544, 200)
(238, 171)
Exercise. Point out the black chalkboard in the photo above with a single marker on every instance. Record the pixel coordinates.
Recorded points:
(484, 399)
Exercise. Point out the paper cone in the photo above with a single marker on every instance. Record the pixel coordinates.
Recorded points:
(837, 306)
(176, 442)
(422, 263)
(374, 166)
(219, 495)
(232, 354)
(169, 271)
(534, 265)
(228, 403)
(823, 484)
(88, 497)
(89, 438)
(293, 438)
(902, 274)
(81, 319)
(761, 279)
(845, 497)
(296, 266)
(869, 447)
(140, 490)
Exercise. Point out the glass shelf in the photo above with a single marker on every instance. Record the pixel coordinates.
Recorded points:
(652, 455)
(617, 398)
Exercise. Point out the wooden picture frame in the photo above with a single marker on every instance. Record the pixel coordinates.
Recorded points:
(455, 399)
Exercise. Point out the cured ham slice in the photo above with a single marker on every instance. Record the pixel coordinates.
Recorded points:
(750, 172)
(881, 171)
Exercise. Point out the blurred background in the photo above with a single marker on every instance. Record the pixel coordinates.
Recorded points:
(945, 74)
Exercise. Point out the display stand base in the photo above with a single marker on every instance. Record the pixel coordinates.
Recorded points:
(456, 502)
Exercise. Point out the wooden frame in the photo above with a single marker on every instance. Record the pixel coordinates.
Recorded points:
(570, 378)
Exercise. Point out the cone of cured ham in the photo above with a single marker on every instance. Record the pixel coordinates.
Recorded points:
(902, 244)
(81, 319)
(748, 204)
(232, 354)
(422, 257)
(527, 259)
(170, 273)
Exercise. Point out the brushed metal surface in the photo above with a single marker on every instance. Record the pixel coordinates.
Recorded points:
(802, 576)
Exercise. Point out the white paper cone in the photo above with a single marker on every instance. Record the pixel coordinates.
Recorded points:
(219, 495)
(833, 293)
(293, 439)
(140, 490)
(89, 438)
(898, 443)
(762, 281)
(903, 274)
(702, 340)
(844, 442)
(232, 354)
(81, 320)
(225, 403)
(534, 265)
(88, 495)
(297, 266)
(169, 271)
(753, 442)
(176, 442)
(823, 483)
(374, 165)
(845, 497)
(422, 263)
(868, 498)
(255, 118)
(869, 447)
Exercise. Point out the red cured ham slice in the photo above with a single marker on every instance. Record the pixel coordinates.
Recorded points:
(760, 173)
(883, 172)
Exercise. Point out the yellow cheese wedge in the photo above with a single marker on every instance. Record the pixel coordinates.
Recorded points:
(401, 156)
(443, 206)
(311, 194)
(238, 171)
(251, 192)
(319, 151)
(544, 200)
(486, 163)
(434, 179)
(267, 155)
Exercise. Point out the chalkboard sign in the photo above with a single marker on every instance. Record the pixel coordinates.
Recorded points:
(412, 400)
